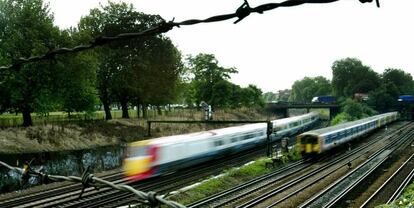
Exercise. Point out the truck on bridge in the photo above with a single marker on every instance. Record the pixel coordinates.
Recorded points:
(324, 99)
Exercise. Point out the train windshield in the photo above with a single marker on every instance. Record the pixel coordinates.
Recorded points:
(138, 151)
(309, 140)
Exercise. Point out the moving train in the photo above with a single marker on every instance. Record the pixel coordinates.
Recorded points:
(321, 140)
(162, 155)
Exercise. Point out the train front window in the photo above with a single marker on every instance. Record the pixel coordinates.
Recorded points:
(137, 151)
(311, 140)
(303, 140)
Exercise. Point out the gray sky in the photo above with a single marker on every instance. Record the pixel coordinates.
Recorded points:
(274, 49)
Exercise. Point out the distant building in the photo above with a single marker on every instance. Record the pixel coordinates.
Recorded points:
(283, 95)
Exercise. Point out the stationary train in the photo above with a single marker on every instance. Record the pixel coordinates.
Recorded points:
(161, 155)
(321, 140)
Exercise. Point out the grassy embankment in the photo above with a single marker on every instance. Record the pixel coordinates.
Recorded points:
(231, 178)
(52, 136)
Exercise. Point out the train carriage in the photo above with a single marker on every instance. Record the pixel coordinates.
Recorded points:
(158, 156)
(321, 140)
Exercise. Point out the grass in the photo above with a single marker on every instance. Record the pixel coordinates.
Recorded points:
(59, 136)
(15, 120)
(231, 178)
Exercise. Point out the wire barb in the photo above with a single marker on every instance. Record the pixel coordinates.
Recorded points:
(369, 1)
(242, 12)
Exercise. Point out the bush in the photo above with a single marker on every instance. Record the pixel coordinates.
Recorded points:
(352, 110)
(341, 118)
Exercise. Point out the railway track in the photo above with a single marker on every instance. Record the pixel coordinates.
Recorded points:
(253, 193)
(55, 191)
(392, 188)
(337, 190)
(69, 195)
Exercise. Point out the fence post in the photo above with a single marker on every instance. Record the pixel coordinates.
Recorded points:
(268, 142)
(149, 128)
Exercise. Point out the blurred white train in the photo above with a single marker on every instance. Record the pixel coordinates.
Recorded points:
(321, 140)
(161, 155)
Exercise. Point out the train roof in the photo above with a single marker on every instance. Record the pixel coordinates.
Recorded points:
(217, 132)
(344, 125)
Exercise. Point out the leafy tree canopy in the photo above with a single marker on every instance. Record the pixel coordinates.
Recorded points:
(352, 110)
(27, 30)
(144, 70)
(402, 81)
(304, 90)
(206, 74)
(350, 76)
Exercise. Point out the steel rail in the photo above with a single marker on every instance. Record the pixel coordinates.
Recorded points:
(387, 181)
(225, 193)
(297, 180)
(396, 143)
(16, 201)
(96, 196)
(402, 186)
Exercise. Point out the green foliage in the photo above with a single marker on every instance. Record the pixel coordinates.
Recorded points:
(27, 30)
(294, 153)
(270, 96)
(341, 118)
(304, 90)
(138, 71)
(382, 100)
(352, 110)
(231, 178)
(395, 82)
(209, 83)
(208, 76)
(251, 96)
(283, 95)
(350, 76)
(402, 81)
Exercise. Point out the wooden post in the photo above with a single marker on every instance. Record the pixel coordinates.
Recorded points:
(268, 142)
(149, 128)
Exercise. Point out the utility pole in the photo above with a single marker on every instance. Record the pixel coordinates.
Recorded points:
(268, 141)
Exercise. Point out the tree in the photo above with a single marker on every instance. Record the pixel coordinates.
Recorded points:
(304, 90)
(27, 30)
(352, 110)
(157, 80)
(381, 98)
(269, 97)
(350, 76)
(400, 79)
(207, 73)
(77, 78)
(252, 96)
(222, 93)
(141, 70)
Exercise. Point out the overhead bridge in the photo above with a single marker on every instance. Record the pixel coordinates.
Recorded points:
(283, 108)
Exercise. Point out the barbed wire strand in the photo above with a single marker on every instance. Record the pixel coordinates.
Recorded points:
(89, 180)
(242, 12)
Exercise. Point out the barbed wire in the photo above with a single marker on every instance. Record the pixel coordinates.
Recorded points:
(242, 12)
(89, 180)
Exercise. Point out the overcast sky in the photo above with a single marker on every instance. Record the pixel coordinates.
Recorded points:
(274, 49)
